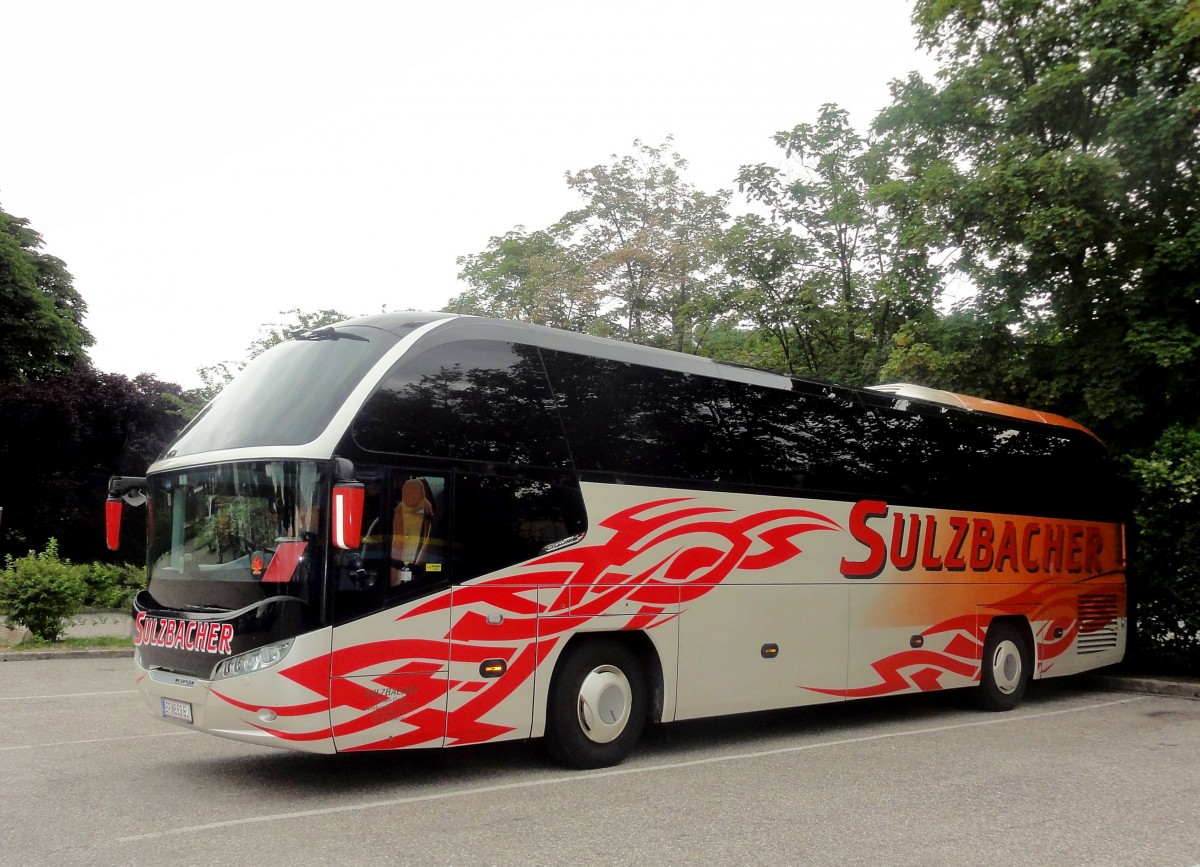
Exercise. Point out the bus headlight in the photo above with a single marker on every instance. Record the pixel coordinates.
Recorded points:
(252, 660)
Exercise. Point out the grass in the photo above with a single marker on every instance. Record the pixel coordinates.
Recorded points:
(99, 642)
(94, 620)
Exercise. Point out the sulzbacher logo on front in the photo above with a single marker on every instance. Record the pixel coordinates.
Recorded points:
(959, 543)
(197, 635)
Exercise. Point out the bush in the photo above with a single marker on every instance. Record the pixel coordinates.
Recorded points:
(1165, 573)
(112, 586)
(41, 592)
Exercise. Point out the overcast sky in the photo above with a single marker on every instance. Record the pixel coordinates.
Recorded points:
(201, 166)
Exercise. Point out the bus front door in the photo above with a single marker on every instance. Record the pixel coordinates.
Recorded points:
(391, 647)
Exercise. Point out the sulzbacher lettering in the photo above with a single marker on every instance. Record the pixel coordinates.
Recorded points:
(910, 540)
(200, 636)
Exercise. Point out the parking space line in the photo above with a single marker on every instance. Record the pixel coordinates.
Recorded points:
(65, 695)
(569, 778)
(95, 741)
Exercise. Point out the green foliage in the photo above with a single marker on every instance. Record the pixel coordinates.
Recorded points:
(639, 260)
(817, 288)
(41, 591)
(844, 260)
(41, 314)
(646, 238)
(1165, 567)
(112, 586)
(1057, 155)
(61, 439)
(971, 350)
(533, 277)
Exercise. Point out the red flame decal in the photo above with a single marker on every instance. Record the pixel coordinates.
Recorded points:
(656, 555)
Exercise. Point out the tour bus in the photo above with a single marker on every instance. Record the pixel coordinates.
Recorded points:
(427, 530)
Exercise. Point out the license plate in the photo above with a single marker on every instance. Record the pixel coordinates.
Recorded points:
(180, 710)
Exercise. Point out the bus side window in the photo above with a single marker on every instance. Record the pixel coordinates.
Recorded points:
(478, 400)
(628, 421)
(499, 522)
(812, 438)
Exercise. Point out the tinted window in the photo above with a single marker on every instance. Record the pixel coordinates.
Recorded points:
(423, 530)
(479, 400)
(993, 464)
(499, 522)
(405, 542)
(630, 420)
(813, 437)
(289, 394)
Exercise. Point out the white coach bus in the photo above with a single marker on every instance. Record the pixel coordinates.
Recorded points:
(426, 530)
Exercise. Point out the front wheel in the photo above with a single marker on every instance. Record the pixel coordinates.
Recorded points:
(597, 705)
(1007, 668)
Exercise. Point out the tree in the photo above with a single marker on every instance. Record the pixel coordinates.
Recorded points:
(41, 314)
(1166, 532)
(649, 241)
(1059, 152)
(61, 440)
(841, 264)
(528, 276)
(971, 350)
(775, 291)
(640, 260)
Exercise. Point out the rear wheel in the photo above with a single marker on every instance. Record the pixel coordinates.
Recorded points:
(1007, 668)
(597, 706)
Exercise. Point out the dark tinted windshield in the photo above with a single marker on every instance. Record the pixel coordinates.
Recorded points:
(289, 394)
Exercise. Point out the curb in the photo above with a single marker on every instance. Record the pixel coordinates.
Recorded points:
(65, 654)
(1152, 685)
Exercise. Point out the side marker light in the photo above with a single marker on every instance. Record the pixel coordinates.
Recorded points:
(492, 668)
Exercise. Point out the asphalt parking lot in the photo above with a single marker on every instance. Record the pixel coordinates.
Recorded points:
(1077, 775)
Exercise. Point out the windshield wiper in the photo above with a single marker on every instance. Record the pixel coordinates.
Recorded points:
(328, 333)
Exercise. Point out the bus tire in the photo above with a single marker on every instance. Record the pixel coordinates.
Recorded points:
(1007, 668)
(597, 704)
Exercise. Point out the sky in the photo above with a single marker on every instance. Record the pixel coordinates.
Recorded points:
(203, 166)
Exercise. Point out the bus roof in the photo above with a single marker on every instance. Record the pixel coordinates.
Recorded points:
(640, 354)
(977, 404)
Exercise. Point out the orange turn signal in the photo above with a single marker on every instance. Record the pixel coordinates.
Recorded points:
(492, 668)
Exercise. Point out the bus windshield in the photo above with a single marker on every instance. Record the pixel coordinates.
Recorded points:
(287, 395)
(226, 536)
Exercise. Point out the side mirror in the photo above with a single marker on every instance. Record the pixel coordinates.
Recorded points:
(346, 523)
(121, 489)
(112, 522)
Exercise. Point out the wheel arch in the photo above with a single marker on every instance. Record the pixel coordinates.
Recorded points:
(1007, 664)
(1025, 630)
(648, 657)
